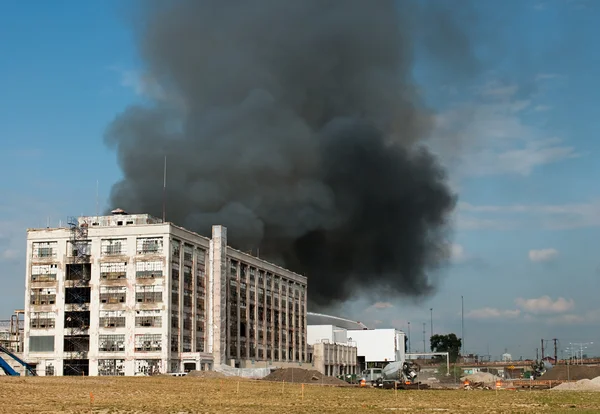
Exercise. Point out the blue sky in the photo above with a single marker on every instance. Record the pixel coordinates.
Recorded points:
(522, 159)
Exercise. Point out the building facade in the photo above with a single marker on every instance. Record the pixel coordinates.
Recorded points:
(130, 295)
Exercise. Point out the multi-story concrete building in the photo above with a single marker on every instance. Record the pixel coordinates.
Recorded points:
(132, 295)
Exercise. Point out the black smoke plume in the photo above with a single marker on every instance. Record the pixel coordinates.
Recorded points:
(297, 125)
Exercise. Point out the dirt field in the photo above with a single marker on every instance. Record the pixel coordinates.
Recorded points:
(198, 395)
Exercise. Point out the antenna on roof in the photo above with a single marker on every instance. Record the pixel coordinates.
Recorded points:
(97, 184)
(164, 207)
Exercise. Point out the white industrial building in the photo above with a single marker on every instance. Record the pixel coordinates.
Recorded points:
(133, 295)
(372, 347)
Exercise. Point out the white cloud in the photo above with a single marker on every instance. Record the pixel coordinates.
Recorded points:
(492, 313)
(543, 255)
(382, 305)
(556, 217)
(457, 253)
(544, 305)
(9, 254)
(489, 135)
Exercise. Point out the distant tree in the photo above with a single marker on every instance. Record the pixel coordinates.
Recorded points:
(406, 343)
(447, 343)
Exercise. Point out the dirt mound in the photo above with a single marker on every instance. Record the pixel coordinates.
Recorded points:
(581, 385)
(205, 374)
(484, 377)
(305, 376)
(574, 372)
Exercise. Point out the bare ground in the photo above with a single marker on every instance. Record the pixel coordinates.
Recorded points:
(187, 395)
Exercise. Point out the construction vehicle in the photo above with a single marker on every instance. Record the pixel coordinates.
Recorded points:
(539, 368)
(399, 375)
(371, 375)
(8, 370)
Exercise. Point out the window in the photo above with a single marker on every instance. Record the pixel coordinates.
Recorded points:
(188, 252)
(42, 320)
(79, 248)
(149, 245)
(44, 273)
(44, 296)
(113, 294)
(111, 343)
(187, 344)
(113, 271)
(148, 294)
(148, 270)
(148, 318)
(147, 366)
(45, 250)
(41, 343)
(174, 343)
(49, 370)
(175, 250)
(113, 247)
(201, 256)
(148, 342)
(111, 367)
(112, 319)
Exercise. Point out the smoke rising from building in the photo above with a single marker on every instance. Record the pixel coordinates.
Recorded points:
(297, 125)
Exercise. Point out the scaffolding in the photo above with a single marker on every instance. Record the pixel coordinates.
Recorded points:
(77, 301)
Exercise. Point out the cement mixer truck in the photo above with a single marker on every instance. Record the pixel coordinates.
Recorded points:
(399, 375)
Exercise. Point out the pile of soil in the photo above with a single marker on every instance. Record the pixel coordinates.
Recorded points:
(484, 377)
(305, 376)
(581, 385)
(574, 372)
(205, 374)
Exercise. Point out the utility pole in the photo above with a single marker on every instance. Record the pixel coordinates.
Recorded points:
(431, 311)
(555, 351)
(408, 337)
(537, 354)
(542, 349)
(462, 323)
(424, 338)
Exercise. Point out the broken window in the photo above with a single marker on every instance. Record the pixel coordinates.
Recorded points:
(188, 253)
(42, 320)
(148, 318)
(113, 271)
(79, 248)
(111, 343)
(148, 342)
(175, 250)
(45, 250)
(148, 294)
(113, 294)
(44, 273)
(149, 245)
(147, 366)
(148, 270)
(113, 247)
(111, 367)
(112, 319)
(43, 296)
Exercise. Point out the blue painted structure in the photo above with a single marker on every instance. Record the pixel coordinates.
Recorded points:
(8, 370)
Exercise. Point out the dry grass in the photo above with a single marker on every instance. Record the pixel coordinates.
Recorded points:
(198, 395)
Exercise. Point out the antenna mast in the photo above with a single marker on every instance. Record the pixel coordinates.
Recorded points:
(164, 206)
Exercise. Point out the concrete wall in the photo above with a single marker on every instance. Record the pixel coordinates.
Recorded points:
(335, 359)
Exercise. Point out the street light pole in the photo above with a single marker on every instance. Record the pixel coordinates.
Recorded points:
(409, 337)
(462, 323)
(431, 311)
